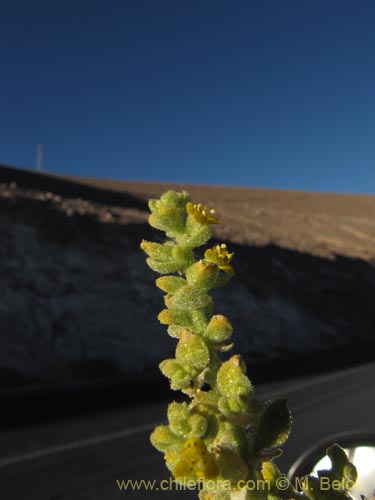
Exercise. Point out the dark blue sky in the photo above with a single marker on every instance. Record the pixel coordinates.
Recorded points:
(267, 93)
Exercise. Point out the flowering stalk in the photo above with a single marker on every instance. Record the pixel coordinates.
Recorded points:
(222, 437)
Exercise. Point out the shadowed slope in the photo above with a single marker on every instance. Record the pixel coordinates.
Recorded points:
(79, 305)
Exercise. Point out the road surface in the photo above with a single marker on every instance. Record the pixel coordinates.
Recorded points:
(87, 457)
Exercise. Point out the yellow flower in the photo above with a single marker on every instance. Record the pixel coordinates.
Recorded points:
(193, 461)
(220, 256)
(201, 214)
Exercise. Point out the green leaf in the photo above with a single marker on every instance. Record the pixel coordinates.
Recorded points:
(236, 409)
(231, 466)
(180, 378)
(191, 350)
(164, 439)
(280, 487)
(174, 331)
(185, 424)
(164, 267)
(170, 284)
(231, 379)
(158, 251)
(174, 316)
(338, 459)
(190, 298)
(196, 234)
(178, 418)
(232, 437)
(272, 426)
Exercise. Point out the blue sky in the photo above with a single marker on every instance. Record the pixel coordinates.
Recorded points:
(267, 93)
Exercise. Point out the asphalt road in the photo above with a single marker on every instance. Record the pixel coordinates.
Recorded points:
(83, 458)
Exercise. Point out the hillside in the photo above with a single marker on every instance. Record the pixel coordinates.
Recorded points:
(78, 301)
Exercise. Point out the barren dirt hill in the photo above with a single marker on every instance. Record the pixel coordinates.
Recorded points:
(316, 223)
(78, 300)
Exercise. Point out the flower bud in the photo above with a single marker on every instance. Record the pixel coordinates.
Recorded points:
(168, 213)
(218, 329)
(175, 199)
(202, 275)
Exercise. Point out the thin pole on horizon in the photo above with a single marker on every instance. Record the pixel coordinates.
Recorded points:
(39, 157)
